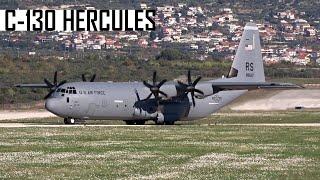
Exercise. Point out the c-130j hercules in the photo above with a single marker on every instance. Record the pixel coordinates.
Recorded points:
(163, 102)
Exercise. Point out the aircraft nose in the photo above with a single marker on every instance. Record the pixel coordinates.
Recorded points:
(51, 105)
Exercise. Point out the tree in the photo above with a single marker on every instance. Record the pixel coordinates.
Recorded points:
(153, 35)
(170, 54)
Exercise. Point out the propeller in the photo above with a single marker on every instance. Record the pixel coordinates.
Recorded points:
(53, 86)
(155, 87)
(190, 87)
(84, 79)
(137, 104)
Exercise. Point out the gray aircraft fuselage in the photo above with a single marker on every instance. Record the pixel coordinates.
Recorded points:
(118, 101)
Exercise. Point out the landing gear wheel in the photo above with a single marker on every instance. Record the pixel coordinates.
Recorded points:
(69, 121)
(72, 121)
(129, 122)
(140, 122)
(159, 123)
(169, 123)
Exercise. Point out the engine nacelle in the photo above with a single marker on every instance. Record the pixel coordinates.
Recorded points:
(140, 113)
(144, 114)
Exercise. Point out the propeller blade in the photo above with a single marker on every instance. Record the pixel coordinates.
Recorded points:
(49, 84)
(155, 87)
(93, 78)
(148, 96)
(49, 94)
(161, 92)
(55, 78)
(83, 78)
(154, 78)
(147, 84)
(189, 77)
(196, 81)
(198, 91)
(161, 83)
(193, 101)
(138, 97)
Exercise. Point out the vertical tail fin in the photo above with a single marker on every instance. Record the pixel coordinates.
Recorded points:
(248, 65)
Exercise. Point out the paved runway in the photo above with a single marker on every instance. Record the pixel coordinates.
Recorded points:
(24, 125)
(283, 100)
(8, 115)
(279, 124)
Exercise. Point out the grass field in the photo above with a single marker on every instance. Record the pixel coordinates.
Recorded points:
(194, 151)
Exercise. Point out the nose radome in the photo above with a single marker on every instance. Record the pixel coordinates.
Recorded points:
(51, 105)
(55, 106)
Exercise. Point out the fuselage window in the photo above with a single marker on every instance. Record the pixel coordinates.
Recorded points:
(74, 91)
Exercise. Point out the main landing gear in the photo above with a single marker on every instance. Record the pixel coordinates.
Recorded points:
(136, 122)
(164, 123)
(142, 122)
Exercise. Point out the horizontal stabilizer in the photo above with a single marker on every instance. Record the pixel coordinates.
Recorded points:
(252, 85)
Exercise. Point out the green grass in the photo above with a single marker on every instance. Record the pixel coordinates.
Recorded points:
(298, 116)
(163, 152)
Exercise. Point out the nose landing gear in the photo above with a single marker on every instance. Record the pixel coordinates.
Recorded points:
(72, 121)
(69, 121)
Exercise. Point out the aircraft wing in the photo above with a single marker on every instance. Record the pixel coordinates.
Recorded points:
(253, 85)
(31, 86)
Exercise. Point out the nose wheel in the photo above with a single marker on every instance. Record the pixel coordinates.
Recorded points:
(69, 120)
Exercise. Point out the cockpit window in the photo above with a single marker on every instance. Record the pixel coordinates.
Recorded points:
(69, 90)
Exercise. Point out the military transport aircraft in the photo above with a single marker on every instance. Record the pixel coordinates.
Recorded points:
(163, 102)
